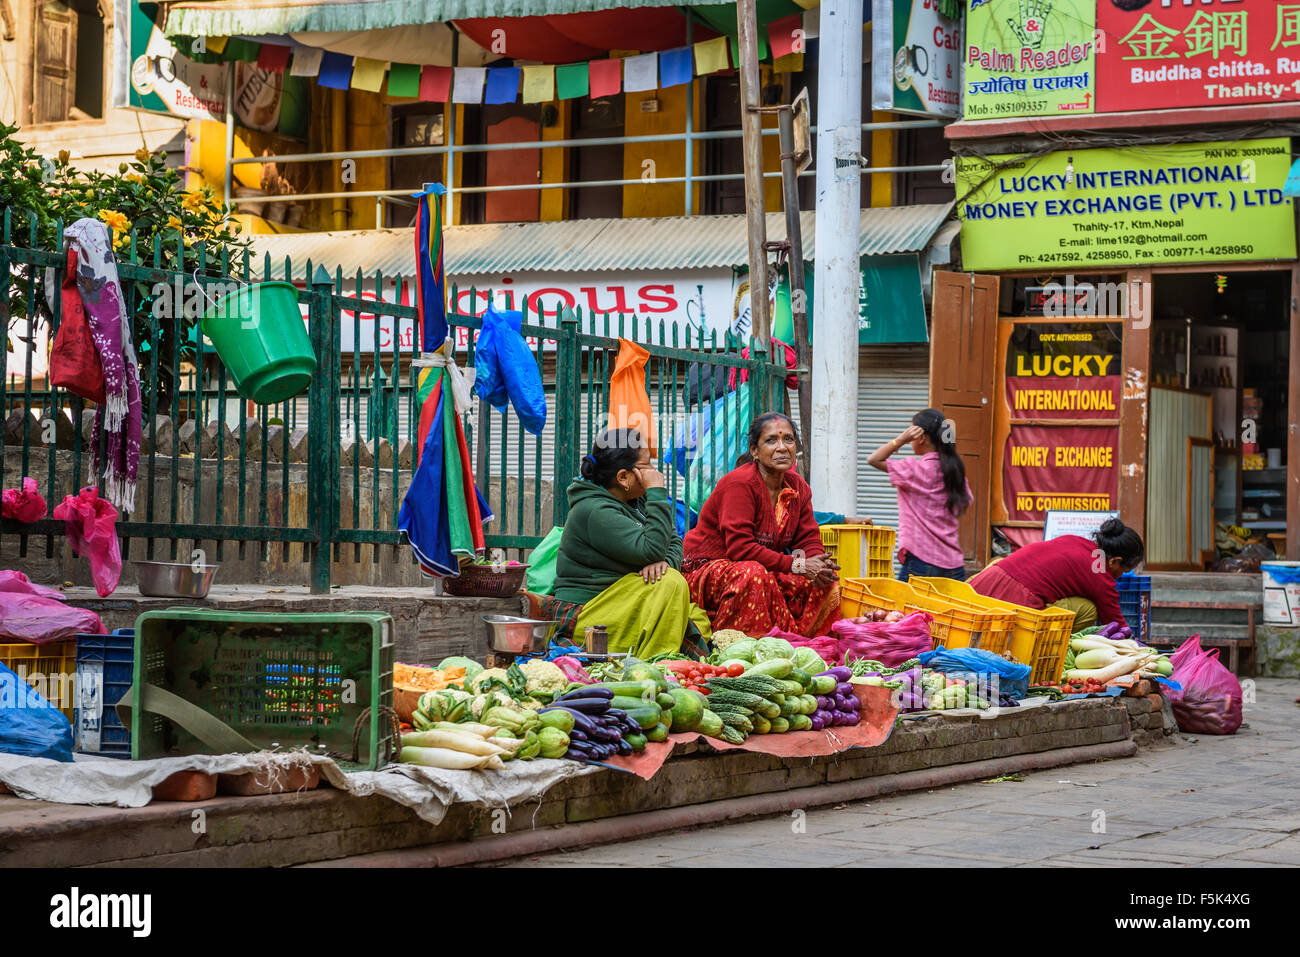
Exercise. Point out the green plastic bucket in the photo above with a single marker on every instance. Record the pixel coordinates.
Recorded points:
(259, 334)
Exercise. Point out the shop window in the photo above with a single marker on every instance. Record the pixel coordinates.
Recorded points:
(417, 124)
(67, 62)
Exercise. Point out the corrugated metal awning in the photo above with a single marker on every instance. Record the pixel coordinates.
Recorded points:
(262, 17)
(590, 245)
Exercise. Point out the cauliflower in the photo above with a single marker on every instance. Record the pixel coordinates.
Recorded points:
(485, 701)
(544, 676)
(483, 677)
(726, 637)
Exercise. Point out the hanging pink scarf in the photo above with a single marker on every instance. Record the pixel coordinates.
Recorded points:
(121, 414)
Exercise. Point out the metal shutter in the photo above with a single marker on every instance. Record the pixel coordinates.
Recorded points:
(893, 385)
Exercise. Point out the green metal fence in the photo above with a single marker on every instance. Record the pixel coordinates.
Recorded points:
(304, 479)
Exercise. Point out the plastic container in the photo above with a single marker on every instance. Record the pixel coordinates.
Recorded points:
(104, 662)
(282, 681)
(955, 624)
(1281, 593)
(1039, 637)
(862, 551)
(50, 668)
(1001, 622)
(261, 338)
(1135, 603)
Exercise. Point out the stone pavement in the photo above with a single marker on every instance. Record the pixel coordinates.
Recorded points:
(1203, 801)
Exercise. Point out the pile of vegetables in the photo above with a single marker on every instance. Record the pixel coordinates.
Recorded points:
(599, 730)
(947, 693)
(504, 734)
(1094, 655)
(695, 674)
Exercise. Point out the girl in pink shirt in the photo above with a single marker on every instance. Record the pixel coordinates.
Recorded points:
(932, 494)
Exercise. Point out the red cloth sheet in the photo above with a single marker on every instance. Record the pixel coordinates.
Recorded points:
(878, 717)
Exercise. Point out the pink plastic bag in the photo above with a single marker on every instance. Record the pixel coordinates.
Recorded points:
(18, 582)
(25, 505)
(92, 533)
(28, 614)
(889, 642)
(1210, 702)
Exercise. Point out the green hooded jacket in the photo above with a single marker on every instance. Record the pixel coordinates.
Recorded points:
(605, 539)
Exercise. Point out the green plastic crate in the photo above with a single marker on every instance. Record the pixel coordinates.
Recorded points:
(282, 681)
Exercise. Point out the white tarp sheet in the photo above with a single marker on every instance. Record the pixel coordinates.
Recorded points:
(429, 791)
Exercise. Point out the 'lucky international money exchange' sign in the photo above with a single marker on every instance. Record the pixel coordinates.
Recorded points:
(1203, 202)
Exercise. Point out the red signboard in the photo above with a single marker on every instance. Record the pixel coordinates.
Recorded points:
(1071, 467)
(1160, 54)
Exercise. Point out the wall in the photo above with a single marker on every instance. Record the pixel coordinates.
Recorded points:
(98, 144)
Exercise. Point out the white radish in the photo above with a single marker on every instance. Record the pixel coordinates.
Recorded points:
(444, 758)
(468, 743)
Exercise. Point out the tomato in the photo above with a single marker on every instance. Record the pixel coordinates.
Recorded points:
(703, 691)
(735, 670)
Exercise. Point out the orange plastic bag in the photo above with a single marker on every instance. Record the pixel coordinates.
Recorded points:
(629, 403)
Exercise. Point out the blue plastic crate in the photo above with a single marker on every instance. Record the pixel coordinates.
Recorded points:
(117, 653)
(1135, 603)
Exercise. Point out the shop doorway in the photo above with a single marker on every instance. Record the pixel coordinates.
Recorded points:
(1217, 448)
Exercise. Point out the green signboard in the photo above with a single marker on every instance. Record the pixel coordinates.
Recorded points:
(1030, 58)
(1202, 202)
(156, 77)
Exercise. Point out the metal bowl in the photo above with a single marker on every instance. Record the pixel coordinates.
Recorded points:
(518, 636)
(174, 579)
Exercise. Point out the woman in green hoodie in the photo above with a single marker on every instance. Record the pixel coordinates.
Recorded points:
(620, 554)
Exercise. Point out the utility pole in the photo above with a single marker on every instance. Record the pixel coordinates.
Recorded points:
(837, 273)
(751, 121)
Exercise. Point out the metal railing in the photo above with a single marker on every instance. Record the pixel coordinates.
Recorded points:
(300, 480)
(688, 137)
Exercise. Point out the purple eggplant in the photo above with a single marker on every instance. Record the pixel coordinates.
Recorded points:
(589, 692)
(823, 703)
(844, 687)
(839, 674)
(817, 721)
(583, 722)
(850, 703)
(576, 735)
(586, 705)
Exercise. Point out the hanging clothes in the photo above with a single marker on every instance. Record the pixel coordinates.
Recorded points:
(121, 412)
(74, 362)
(506, 371)
(629, 403)
(430, 281)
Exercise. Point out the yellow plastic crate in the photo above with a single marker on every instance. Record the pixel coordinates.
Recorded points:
(955, 624)
(50, 668)
(1000, 622)
(1039, 637)
(862, 551)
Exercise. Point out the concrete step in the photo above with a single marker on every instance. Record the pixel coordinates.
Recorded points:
(1179, 631)
(1205, 581)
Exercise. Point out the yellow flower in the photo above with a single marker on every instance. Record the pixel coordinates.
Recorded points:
(136, 178)
(193, 200)
(64, 156)
(116, 221)
(174, 223)
(142, 155)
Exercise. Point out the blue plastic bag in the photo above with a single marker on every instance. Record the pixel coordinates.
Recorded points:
(29, 725)
(505, 370)
(1013, 679)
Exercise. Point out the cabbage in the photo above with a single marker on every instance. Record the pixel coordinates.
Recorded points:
(472, 668)
(742, 650)
(805, 659)
(769, 648)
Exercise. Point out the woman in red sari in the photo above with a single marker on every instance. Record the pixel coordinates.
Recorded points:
(755, 561)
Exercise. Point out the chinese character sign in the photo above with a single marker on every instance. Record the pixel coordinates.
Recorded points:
(1029, 58)
(1158, 54)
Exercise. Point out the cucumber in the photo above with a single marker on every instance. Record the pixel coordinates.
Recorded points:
(624, 703)
(646, 690)
(802, 677)
(794, 687)
(768, 709)
(780, 725)
(761, 724)
(800, 722)
(647, 716)
(637, 741)
(788, 708)
(822, 684)
(658, 733)
(773, 668)
(665, 701)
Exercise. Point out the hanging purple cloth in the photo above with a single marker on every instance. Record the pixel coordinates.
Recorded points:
(121, 414)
